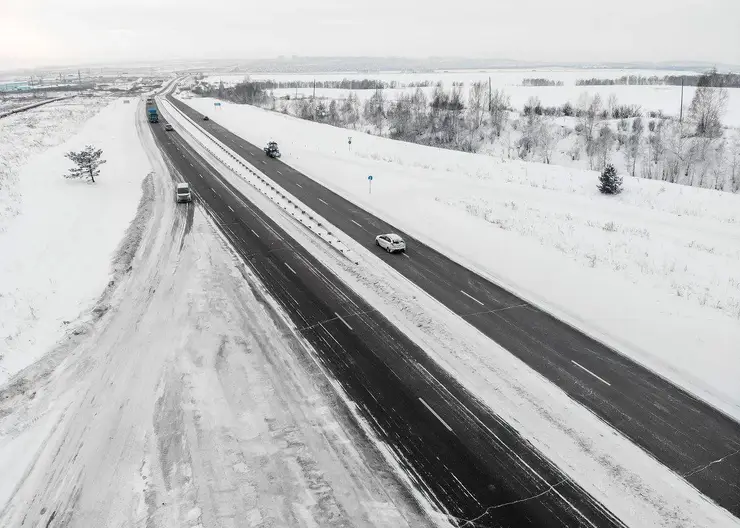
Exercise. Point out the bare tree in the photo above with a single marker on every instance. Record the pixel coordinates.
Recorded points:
(333, 113)
(634, 141)
(87, 161)
(419, 112)
(547, 139)
(351, 110)
(499, 107)
(589, 111)
(611, 105)
(604, 144)
(707, 107)
(375, 110)
(717, 165)
(455, 109)
(476, 106)
(531, 128)
(735, 162)
(400, 118)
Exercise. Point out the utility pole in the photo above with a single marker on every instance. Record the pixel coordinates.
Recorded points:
(79, 77)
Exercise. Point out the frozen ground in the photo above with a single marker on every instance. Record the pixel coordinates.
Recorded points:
(640, 491)
(57, 236)
(653, 271)
(189, 403)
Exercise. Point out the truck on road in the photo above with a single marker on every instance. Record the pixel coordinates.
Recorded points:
(152, 115)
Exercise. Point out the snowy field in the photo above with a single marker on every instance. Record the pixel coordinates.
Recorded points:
(57, 236)
(653, 272)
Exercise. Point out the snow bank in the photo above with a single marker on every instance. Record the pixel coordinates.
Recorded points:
(652, 272)
(58, 235)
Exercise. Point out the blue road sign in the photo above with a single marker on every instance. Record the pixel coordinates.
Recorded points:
(370, 178)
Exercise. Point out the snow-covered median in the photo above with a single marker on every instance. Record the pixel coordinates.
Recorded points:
(653, 272)
(57, 236)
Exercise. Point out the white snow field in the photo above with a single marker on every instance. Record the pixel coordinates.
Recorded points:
(57, 236)
(188, 402)
(636, 488)
(653, 272)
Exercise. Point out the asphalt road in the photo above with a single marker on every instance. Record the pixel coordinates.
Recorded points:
(684, 433)
(470, 463)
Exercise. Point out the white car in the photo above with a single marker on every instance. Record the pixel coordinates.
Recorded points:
(390, 242)
(183, 193)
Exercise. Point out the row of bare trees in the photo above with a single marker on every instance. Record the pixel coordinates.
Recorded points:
(694, 151)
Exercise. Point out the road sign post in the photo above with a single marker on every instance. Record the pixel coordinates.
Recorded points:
(349, 142)
(370, 184)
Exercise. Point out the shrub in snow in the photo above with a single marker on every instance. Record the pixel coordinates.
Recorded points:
(610, 182)
(88, 161)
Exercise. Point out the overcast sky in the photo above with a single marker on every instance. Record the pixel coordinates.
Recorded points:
(47, 32)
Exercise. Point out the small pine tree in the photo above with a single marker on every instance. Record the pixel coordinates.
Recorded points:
(88, 161)
(610, 181)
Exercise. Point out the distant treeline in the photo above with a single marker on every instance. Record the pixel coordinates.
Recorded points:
(541, 82)
(714, 79)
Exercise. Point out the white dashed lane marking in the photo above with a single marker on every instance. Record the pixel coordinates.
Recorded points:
(471, 297)
(602, 380)
(435, 414)
(345, 322)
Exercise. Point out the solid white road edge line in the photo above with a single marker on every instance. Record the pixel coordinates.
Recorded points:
(345, 322)
(602, 380)
(471, 297)
(435, 414)
(291, 269)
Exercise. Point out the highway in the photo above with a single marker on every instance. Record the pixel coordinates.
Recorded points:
(684, 433)
(465, 459)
